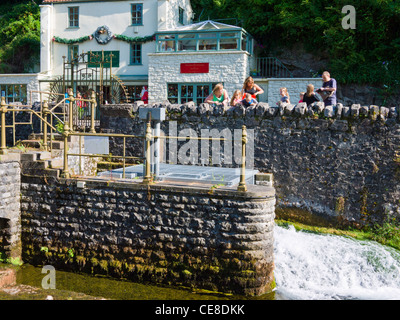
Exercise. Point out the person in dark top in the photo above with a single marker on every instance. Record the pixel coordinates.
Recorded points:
(250, 87)
(329, 87)
(309, 96)
(249, 101)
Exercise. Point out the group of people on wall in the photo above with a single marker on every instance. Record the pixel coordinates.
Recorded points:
(247, 96)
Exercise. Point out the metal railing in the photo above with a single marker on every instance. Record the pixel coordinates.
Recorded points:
(271, 67)
(68, 131)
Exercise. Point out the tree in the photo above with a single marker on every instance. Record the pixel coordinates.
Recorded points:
(20, 37)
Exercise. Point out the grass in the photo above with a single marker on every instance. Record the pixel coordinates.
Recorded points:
(387, 233)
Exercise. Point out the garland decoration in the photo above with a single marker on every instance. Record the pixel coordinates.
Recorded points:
(103, 30)
(135, 39)
(72, 41)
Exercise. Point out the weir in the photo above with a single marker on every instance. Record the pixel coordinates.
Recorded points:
(208, 227)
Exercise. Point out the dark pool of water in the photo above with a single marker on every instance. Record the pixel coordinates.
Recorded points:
(122, 290)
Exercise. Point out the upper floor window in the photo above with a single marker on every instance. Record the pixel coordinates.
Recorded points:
(181, 15)
(73, 16)
(137, 14)
(136, 54)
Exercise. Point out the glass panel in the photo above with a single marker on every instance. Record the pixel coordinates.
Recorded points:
(203, 92)
(244, 42)
(208, 44)
(229, 35)
(23, 93)
(228, 44)
(166, 46)
(207, 35)
(173, 93)
(187, 36)
(166, 36)
(186, 93)
(184, 45)
(10, 89)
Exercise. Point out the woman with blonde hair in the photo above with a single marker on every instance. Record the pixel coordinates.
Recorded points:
(219, 96)
(309, 96)
(250, 87)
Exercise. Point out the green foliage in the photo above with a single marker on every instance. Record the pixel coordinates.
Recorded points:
(368, 54)
(20, 37)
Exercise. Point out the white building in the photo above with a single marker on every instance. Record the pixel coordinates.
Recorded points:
(153, 43)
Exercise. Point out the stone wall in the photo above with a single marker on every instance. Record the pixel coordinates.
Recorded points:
(216, 239)
(10, 223)
(341, 161)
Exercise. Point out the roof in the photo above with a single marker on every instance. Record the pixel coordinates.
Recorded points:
(207, 25)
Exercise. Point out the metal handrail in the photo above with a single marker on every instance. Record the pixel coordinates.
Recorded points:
(68, 131)
(272, 67)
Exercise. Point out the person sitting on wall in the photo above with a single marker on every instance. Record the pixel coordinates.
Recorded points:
(249, 100)
(310, 96)
(301, 97)
(236, 98)
(284, 95)
(144, 95)
(219, 96)
(328, 90)
(250, 87)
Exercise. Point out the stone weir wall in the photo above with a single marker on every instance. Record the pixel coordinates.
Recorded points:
(339, 161)
(10, 222)
(212, 238)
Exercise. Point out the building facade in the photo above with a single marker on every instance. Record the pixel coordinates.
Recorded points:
(140, 43)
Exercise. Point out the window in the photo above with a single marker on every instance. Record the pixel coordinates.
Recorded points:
(14, 93)
(73, 17)
(73, 51)
(204, 41)
(134, 93)
(185, 92)
(136, 54)
(181, 15)
(137, 14)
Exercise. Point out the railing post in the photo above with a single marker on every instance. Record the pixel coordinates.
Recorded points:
(65, 173)
(71, 110)
(93, 105)
(242, 184)
(3, 111)
(147, 178)
(45, 112)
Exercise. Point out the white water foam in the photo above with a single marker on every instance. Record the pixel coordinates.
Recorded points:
(311, 266)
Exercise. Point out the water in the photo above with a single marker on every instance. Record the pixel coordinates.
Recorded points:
(311, 266)
(308, 266)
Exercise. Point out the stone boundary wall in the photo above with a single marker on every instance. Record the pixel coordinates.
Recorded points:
(217, 239)
(10, 224)
(337, 161)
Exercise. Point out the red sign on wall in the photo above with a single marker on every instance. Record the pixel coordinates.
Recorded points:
(195, 67)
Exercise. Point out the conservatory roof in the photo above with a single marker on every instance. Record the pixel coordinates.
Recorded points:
(207, 25)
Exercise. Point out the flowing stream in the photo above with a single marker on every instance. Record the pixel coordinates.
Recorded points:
(311, 266)
(308, 266)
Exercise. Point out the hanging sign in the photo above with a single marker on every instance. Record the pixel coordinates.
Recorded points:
(195, 67)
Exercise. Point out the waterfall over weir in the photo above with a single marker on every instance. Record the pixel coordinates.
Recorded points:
(312, 266)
